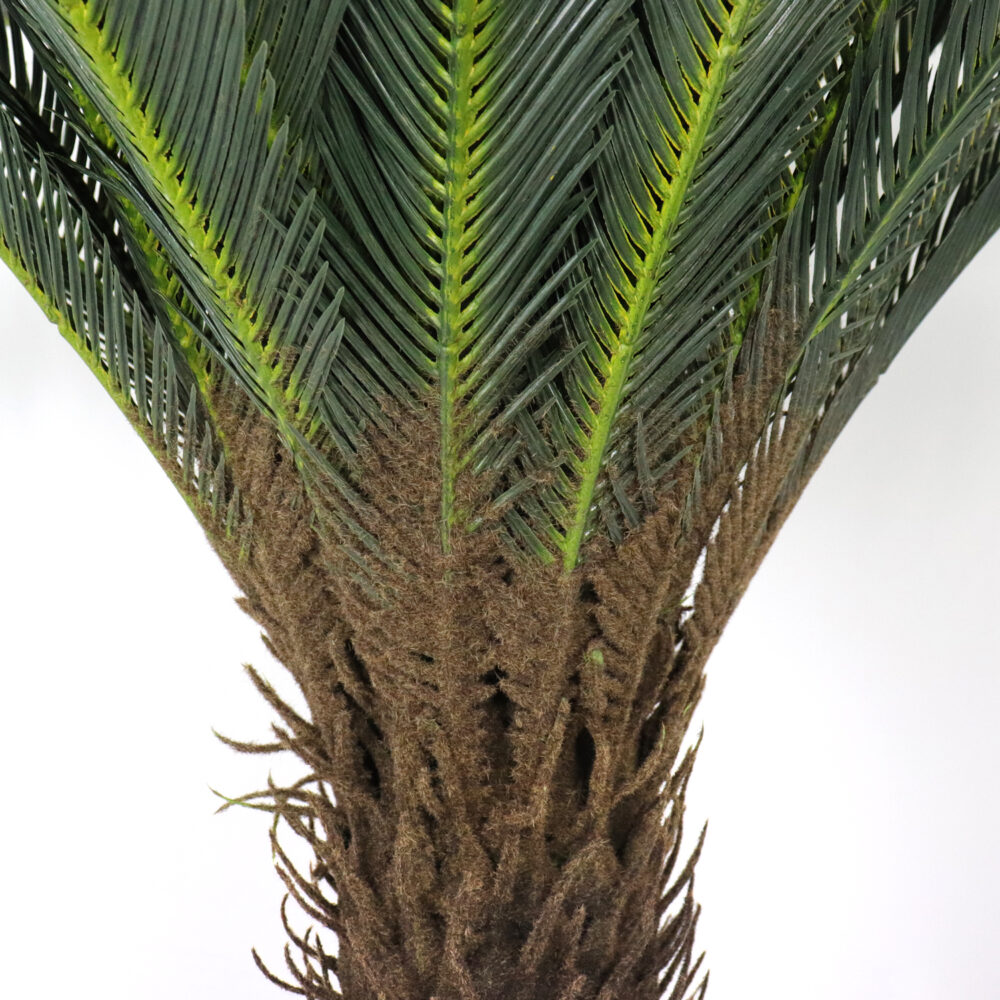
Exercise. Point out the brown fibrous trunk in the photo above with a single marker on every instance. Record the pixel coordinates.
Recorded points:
(494, 747)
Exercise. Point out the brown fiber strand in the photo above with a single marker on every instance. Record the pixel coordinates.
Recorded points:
(496, 782)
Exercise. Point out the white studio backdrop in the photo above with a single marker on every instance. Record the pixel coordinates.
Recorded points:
(849, 764)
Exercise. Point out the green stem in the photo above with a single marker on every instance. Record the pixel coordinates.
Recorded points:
(461, 120)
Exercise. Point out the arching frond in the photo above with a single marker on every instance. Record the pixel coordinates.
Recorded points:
(566, 226)
(51, 237)
(901, 197)
(960, 220)
(898, 181)
(201, 161)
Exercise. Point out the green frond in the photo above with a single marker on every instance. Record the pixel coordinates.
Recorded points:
(715, 100)
(972, 219)
(901, 197)
(962, 211)
(457, 153)
(299, 36)
(48, 239)
(209, 175)
(865, 229)
(62, 123)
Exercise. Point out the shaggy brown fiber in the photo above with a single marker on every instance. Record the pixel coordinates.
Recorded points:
(495, 784)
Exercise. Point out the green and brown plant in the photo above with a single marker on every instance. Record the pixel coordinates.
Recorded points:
(490, 343)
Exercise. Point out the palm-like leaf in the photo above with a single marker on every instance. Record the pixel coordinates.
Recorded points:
(209, 177)
(59, 239)
(892, 227)
(718, 100)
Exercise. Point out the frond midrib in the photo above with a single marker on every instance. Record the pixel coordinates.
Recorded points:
(457, 171)
(166, 287)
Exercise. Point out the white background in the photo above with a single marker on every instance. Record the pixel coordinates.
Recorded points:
(849, 766)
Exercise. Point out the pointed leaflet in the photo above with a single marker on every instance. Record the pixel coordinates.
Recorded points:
(944, 205)
(47, 114)
(972, 220)
(300, 37)
(456, 153)
(43, 122)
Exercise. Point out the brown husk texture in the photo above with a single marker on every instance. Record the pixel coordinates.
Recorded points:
(496, 781)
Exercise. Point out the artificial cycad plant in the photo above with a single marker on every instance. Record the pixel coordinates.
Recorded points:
(490, 343)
